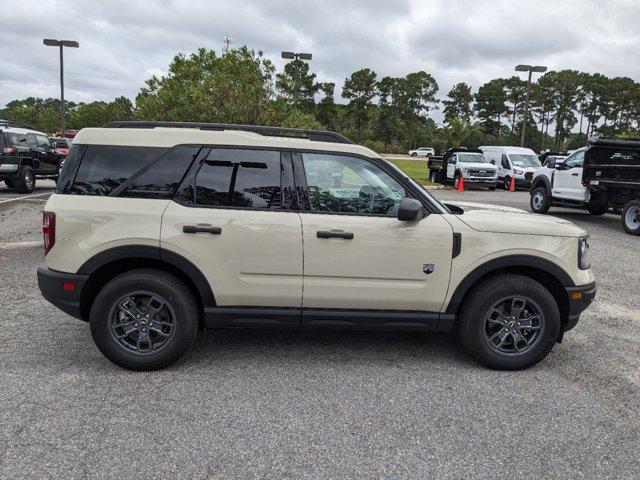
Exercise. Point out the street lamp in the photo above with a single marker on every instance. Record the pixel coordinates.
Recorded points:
(530, 69)
(49, 42)
(296, 56)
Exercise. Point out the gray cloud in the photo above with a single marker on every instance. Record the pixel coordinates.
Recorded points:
(123, 42)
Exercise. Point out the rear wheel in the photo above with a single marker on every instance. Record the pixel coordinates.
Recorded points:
(509, 322)
(540, 201)
(435, 177)
(456, 180)
(26, 181)
(144, 319)
(631, 217)
(595, 209)
(414, 154)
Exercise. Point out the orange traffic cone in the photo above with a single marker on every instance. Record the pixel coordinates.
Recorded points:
(512, 184)
(460, 187)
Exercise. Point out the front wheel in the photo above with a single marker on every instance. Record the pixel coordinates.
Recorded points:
(540, 201)
(456, 180)
(414, 154)
(144, 319)
(506, 183)
(631, 217)
(509, 322)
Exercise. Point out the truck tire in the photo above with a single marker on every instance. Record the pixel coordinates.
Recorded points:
(26, 181)
(494, 319)
(506, 182)
(595, 209)
(144, 319)
(456, 179)
(540, 200)
(9, 183)
(435, 177)
(631, 217)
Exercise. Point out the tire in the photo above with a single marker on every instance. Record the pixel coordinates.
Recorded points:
(597, 209)
(492, 189)
(456, 180)
(26, 181)
(435, 177)
(506, 182)
(414, 154)
(540, 200)
(177, 320)
(631, 217)
(9, 183)
(479, 322)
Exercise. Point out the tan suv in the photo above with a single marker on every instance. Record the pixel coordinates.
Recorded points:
(159, 229)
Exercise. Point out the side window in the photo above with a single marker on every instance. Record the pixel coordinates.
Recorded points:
(505, 162)
(343, 184)
(31, 140)
(575, 160)
(161, 178)
(43, 142)
(104, 168)
(239, 178)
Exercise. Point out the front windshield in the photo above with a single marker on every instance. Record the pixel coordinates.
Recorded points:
(472, 158)
(524, 160)
(441, 206)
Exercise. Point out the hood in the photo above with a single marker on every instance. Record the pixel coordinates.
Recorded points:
(526, 169)
(499, 219)
(480, 165)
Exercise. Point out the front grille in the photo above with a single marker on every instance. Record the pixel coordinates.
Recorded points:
(478, 172)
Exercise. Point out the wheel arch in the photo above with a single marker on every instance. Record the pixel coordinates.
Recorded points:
(540, 181)
(110, 263)
(545, 272)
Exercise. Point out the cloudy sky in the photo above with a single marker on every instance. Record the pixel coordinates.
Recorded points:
(123, 42)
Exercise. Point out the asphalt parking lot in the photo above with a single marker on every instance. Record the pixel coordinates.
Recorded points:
(247, 404)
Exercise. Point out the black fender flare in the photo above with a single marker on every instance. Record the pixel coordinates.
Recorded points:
(540, 181)
(130, 252)
(508, 261)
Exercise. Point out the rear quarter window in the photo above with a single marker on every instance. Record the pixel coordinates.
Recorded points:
(104, 168)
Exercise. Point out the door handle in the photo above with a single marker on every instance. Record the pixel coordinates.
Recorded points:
(335, 234)
(574, 174)
(196, 229)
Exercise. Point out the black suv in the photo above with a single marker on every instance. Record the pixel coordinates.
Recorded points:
(26, 154)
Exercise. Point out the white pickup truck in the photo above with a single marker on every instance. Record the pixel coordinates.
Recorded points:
(604, 175)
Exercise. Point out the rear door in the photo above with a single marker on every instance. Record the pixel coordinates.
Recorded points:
(357, 254)
(233, 218)
(567, 181)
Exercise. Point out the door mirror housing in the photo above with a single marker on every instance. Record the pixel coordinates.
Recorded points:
(559, 165)
(410, 210)
(493, 162)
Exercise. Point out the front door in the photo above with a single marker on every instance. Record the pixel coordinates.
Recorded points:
(45, 158)
(357, 254)
(451, 166)
(230, 220)
(567, 180)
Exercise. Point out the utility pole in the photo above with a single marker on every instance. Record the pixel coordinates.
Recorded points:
(530, 69)
(61, 44)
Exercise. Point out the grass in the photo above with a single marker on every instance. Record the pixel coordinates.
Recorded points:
(416, 169)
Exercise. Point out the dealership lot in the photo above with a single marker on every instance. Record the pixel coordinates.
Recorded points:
(318, 404)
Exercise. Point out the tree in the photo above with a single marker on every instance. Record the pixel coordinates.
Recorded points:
(359, 89)
(459, 103)
(234, 88)
(515, 92)
(415, 97)
(327, 110)
(490, 105)
(458, 131)
(297, 85)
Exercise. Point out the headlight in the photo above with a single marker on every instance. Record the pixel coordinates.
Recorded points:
(583, 253)
(517, 171)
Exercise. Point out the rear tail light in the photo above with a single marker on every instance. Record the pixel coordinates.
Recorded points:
(48, 230)
(9, 150)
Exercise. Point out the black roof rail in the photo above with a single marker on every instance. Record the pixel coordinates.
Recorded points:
(615, 142)
(11, 123)
(315, 135)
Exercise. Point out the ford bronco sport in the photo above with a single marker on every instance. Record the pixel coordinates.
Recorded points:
(157, 230)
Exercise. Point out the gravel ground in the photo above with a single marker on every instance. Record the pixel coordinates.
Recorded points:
(246, 404)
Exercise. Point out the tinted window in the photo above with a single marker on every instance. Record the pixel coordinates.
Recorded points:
(104, 168)
(240, 178)
(342, 184)
(161, 178)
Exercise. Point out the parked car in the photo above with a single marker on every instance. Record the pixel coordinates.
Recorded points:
(513, 162)
(156, 232)
(422, 152)
(26, 155)
(62, 145)
(604, 175)
(460, 163)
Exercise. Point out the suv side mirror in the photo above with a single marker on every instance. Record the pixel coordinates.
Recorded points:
(493, 162)
(559, 165)
(410, 210)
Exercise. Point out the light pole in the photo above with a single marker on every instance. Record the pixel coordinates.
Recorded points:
(530, 69)
(49, 42)
(296, 56)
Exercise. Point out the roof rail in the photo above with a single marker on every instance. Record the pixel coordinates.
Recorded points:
(315, 135)
(10, 123)
(614, 142)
